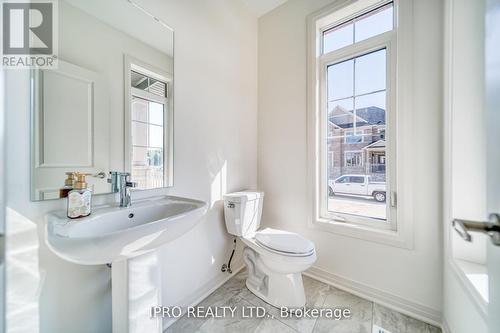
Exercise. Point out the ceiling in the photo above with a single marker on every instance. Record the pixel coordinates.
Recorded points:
(124, 16)
(261, 7)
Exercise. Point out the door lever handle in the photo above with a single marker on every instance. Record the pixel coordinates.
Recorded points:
(491, 228)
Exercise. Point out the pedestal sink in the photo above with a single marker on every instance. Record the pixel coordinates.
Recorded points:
(113, 234)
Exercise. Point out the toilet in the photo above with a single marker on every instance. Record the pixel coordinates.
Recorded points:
(275, 259)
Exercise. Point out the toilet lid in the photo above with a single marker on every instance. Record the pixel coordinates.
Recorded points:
(284, 241)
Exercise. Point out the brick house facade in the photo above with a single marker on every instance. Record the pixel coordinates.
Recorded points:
(356, 147)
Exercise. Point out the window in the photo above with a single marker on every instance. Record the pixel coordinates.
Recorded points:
(150, 124)
(358, 29)
(357, 180)
(149, 84)
(147, 142)
(355, 110)
(353, 159)
(352, 138)
(342, 180)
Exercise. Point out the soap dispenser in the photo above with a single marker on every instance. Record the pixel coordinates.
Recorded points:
(69, 183)
(80, 198)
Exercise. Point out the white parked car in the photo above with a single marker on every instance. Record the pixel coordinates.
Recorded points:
(357, 185)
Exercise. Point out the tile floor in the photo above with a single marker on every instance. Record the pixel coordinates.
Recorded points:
(365, 314)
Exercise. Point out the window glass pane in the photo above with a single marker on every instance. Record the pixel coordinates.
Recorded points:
(359, 180)
(341, 80)
(343, 180)
(156, 113)
(354, 137)
(139, 109)
(139, 156)
(375, 100)
(358, 29)
(335, 107)
(147, 167)
(155, 136)
(356, 144)
(139, 134)
(155, 157)
(338, 37)
(371, 108)
(146, 83)
(374, 23)
(370, 72)
(340, 117)
(139, 81)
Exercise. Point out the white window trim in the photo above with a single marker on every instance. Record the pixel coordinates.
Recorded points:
(131, 63)
(353, 151)
(346, 135)
(402, 218)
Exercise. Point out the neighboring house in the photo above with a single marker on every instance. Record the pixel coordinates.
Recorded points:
(356, 142)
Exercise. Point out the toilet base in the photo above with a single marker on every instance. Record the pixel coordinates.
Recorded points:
(283, 291)
(275, 287)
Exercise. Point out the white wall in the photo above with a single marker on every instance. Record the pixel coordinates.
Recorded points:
(413, 276)
(215, 151)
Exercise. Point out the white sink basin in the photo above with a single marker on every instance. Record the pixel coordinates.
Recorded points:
(113, 233)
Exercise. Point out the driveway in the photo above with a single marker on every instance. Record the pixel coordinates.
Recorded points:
(357, 206)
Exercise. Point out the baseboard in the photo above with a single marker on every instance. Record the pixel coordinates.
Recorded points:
(409, 308)
(203, 293)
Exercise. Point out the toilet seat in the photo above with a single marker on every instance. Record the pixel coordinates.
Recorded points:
(284, 242)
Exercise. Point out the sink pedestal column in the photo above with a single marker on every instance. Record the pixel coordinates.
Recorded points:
(136, 287)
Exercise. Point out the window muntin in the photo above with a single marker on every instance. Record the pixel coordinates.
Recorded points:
(360, 28)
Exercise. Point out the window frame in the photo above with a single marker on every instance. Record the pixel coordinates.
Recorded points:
(136, 65)
(397, 44)
(361, 164)
(385, 41)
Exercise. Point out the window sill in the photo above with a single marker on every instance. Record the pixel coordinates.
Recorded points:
(475, 278)
(377, 235)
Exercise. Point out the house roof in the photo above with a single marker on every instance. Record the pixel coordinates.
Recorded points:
(380, 144)
(344, 118)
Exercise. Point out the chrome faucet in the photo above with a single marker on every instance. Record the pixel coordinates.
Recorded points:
(120, 183)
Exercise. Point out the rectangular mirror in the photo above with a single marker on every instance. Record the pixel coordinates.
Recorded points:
(109, 104)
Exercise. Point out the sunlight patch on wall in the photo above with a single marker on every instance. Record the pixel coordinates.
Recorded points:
(219, 185)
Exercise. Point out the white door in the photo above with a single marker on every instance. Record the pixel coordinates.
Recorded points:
(492, 75)
(472, 267)
(2, 205)
(69, 103)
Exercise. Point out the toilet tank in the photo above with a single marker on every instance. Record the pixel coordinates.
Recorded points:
(242, 212)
